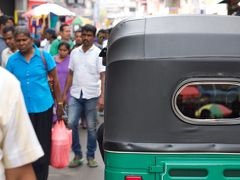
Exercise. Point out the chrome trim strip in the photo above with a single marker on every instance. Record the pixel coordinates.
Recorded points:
(199, 81)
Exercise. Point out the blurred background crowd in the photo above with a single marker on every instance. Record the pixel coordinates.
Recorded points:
(105, 14)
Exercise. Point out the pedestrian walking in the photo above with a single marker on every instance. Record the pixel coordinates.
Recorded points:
(3, 23)
(77, 38)
(62, 62)
(31, 67)
(19, 144)
(8, 35)
(86, 78)
(50, 36)
(65, 35)
(100, 38)
(77, 43)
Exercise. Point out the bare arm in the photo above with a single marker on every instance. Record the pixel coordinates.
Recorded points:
(20, 173)
(101, 98)
(57, 93)
(67, 86)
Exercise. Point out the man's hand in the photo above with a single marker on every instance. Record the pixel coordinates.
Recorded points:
(101, 103)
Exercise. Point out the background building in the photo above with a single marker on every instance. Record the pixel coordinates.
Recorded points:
(105, 13)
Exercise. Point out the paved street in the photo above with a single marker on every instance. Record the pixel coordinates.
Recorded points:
(83, 172)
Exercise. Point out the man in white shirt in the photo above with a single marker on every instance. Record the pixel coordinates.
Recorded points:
(86, 78)
(19, 144)
(8, 35)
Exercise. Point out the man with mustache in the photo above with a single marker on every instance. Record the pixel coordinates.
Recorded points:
(86, 78)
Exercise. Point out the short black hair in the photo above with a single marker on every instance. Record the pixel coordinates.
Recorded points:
(52, 32)
(3, 19)
(78, 30)
(9, 29)
(89, 27)
(62, 27)
(101, 31)
(11, 18)
(64, 43)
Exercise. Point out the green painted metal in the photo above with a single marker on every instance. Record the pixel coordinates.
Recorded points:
(172, 166)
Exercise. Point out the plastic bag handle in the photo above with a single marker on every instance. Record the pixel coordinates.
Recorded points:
(61, 123)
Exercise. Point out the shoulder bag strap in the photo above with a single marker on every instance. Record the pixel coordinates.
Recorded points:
(43, 60)
(50, 78)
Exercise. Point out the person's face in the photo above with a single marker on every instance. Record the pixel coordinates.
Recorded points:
(9, 39)
(48, 36)
(87, 38)
(100, 38)
(63, 51)
(9, 23)
(1, 28)
(106, 35)
(78, 38)
(23, 42)
(66, 33)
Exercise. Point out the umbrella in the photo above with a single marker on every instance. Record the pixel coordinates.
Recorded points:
(45, 9)
(77, 20)
(81, 21)
(190, 91)
(215, 111)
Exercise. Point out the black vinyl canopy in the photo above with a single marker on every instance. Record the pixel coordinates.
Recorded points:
(146, 61)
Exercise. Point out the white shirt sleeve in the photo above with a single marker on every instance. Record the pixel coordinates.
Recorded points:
(101, 68)
(20, 145)
(4, 57)
(71, 65)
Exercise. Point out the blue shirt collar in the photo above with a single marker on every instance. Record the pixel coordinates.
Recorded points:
(36, 52)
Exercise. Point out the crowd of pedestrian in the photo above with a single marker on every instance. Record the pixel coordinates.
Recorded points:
(75, 67)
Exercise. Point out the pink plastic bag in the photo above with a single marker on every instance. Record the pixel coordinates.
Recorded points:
(61, 145)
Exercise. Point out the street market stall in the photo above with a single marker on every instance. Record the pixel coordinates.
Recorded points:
(45, 15)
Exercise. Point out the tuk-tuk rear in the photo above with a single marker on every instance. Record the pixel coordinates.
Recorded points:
(173, 99)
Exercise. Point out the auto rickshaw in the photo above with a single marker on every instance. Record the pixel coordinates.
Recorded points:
(172, 105)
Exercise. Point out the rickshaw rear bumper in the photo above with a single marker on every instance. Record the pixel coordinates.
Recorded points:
(169, 166)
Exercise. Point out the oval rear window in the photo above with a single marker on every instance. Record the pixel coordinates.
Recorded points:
(208, 102)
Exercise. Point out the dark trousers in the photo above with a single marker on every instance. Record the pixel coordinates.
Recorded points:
(42, 124)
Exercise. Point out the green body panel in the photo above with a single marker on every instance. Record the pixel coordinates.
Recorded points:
(172, 166)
